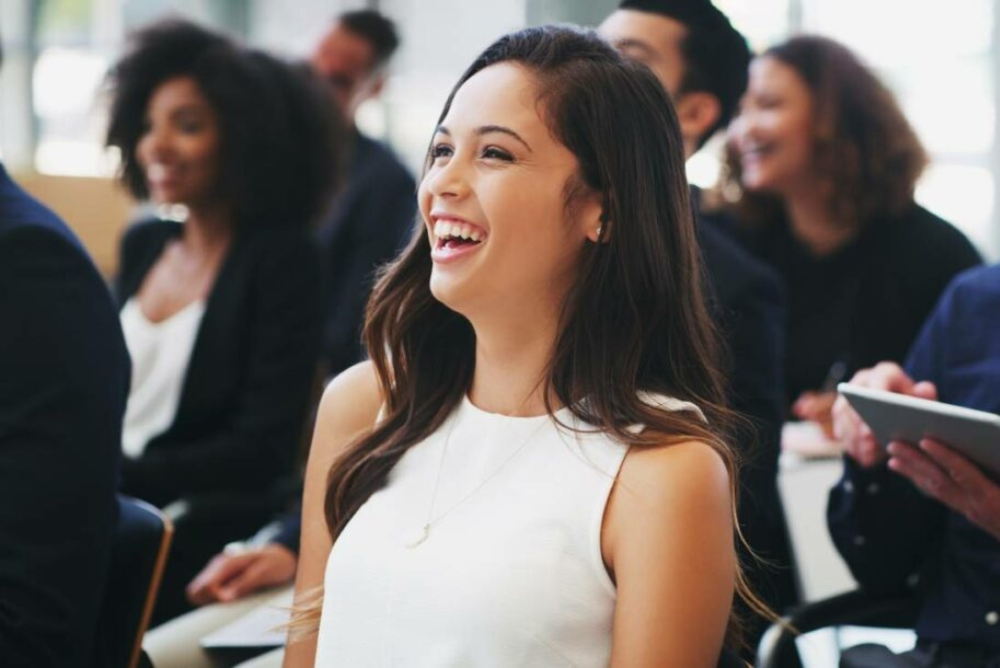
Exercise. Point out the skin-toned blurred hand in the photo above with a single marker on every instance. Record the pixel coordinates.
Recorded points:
(816, 407)
(229, 577)
(950, 478)
(850, 429)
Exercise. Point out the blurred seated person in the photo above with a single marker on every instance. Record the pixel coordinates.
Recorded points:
(922, 510)
(63, 384)
(827, 164)
(222, 313)
(372, 217)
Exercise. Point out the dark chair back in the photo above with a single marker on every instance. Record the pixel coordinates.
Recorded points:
(142, 541)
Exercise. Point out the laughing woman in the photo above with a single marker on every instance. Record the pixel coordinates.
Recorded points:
(828, 164)
(221, 313)
(532, 470)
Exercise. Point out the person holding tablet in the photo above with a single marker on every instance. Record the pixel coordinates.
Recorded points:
(921, 511)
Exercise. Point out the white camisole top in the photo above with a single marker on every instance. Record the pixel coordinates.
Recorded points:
(160, 353)
(510, 575)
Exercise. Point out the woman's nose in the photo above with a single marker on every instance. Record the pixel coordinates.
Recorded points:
(741, 127)
(155, 144)
(448, 179)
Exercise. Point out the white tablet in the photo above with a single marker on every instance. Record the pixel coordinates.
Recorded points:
(897, 417)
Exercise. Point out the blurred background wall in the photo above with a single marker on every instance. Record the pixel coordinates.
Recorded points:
(941, 59)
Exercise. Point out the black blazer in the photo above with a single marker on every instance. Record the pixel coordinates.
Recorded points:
(246, 394)
(64, 378)
(866, 302)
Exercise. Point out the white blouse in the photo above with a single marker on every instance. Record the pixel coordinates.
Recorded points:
(510, 572)
(160, 353)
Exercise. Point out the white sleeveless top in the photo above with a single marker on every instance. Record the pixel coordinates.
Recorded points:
(510, 576)
(160, 353)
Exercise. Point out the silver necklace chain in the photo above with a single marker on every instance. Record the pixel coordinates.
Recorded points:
(415, 537)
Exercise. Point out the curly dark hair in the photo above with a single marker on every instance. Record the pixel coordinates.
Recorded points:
(280, 130)
(866, 152)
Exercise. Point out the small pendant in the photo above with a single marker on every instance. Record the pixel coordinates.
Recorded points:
(414, 537)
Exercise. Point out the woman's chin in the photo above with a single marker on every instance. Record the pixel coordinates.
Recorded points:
(444, 288)
(451, 291)
(770, 181)
(758, 184)
(167, 198)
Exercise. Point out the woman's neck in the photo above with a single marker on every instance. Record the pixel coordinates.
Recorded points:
(512, 359)
(814, 224)
(208, 229)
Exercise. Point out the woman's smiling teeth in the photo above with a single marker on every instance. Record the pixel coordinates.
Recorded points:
(451, 234)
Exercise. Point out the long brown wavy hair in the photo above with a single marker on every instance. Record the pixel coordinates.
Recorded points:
(636, 319)
(867, 154)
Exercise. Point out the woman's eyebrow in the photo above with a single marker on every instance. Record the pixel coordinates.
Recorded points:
(487, 129)
(188, 109)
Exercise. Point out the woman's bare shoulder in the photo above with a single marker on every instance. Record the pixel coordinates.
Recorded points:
(671, 468)
(351, 401)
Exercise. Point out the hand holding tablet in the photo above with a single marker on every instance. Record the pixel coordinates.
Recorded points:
(898, 417)
(949, 452)
(850, 429)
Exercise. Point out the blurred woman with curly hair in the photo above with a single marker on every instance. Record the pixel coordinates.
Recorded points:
(222, 313)
(826, 165)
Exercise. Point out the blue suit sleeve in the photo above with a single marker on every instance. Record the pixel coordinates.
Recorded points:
(881, 524)
(290, 530)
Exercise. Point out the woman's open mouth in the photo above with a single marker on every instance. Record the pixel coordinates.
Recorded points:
(453, 238)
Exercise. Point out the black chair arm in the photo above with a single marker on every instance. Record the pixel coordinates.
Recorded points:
(858, 607)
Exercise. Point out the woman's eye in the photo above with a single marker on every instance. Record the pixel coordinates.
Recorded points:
(768, 102)
(190, 125)
(494, 153)
(440, 151)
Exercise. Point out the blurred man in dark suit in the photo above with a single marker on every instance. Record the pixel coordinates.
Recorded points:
(373, 215)
(63, 384)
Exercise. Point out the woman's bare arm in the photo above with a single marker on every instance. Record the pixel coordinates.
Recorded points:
(349, 407)
(668, 540)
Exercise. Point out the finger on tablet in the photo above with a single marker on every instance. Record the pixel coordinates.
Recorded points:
(924, 472)
(960, 469)
(925, 390)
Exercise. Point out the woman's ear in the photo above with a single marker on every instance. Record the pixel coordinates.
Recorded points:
(590, 208)
(597, 230)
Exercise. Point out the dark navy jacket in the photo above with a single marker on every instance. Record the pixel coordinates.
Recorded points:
(887, 530)
(64, 375)
(369, 221)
